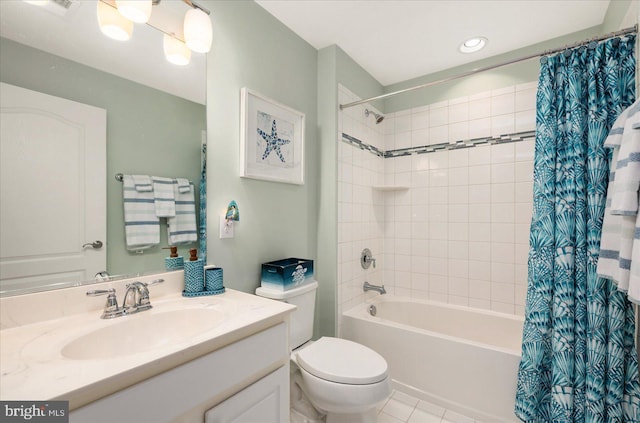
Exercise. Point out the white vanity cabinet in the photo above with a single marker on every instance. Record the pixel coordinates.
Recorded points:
(246, 381)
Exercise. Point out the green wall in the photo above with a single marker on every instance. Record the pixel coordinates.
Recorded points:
(148, 132)
(252, 49)
(334, 67)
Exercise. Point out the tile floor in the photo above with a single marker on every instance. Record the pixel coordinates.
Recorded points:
(403, 408)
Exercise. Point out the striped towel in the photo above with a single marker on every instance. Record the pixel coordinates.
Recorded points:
(164, 199)
(141, 225)
(620, 242)
(142, 183)
(183, 185)
(182, 229)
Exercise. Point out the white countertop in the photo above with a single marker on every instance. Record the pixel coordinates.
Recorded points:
(32, 365)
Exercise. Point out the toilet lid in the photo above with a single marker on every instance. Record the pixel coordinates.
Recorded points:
(342, 361)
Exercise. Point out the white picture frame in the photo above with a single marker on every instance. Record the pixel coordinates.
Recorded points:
(271, 140)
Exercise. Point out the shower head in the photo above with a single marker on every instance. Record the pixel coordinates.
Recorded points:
(379, 118)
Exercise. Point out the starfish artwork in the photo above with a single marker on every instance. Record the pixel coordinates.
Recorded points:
(273, 142)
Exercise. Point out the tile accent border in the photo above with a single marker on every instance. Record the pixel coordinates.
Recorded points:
(362, 145)
(445, 146)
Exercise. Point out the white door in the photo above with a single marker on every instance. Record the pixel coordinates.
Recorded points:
(53, 189)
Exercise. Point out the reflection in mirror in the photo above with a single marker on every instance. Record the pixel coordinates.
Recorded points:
(155, 122)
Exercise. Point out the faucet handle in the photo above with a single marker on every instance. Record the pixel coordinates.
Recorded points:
(145, 302)
(153, 282)
(366, 258)
(97, 292)
(111, 308)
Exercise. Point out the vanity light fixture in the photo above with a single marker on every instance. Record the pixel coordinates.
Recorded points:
(473, 44)
(198, 33)
(138, 11)
(175, 51)
(116, 18)
(113, 24)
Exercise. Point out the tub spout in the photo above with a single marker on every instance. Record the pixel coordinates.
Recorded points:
(368, 287)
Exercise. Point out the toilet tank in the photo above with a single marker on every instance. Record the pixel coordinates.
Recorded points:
(301, 323)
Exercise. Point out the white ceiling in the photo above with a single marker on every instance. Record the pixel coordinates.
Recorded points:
(396, 40)
(74, 34)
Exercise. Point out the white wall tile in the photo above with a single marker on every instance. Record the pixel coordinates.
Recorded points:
(479, 251)
(525, 121)
(479, 193)
(438, 116)
(403, 140)
(503, 173)
(480, 108)
(438, 134)
(480, 155)
(459, 112)
(480, 128)
(503, 104)
(479, 212)
(525, 99)
(503, 193)
(503, 124)
(479, 174)
(420, 120)
(402, 123)
(460, 234)
(459, 176)
(459, 158)
(459, 131)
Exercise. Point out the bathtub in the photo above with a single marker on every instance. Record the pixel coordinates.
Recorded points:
(461, 358)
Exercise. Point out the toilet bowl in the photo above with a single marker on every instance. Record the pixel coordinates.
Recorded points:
(331, 378)
(341, 379)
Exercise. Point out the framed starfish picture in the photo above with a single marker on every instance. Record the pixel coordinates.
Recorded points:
(271, 140)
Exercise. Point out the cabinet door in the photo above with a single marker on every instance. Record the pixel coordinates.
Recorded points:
(266, 401)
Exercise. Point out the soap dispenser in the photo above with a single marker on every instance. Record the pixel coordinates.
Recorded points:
(174, 261)
(193, 273)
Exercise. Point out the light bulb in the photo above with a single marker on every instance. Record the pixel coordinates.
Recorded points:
(113, 24)
(198, 32)
(138, 11)
(176, 51)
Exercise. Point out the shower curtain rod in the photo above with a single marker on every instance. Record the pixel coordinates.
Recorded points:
(625, 31)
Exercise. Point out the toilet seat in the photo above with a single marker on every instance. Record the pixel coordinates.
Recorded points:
(342, 361)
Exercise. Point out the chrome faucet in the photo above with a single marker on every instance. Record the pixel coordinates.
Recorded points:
(368, 287)
(136, 294)
(111, 308)
(136, 299)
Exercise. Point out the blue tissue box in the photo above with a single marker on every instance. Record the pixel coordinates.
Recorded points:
(287, 274)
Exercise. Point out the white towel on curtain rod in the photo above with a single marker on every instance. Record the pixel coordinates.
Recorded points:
(619, 248)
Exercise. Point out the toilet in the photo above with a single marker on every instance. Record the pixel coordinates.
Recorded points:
(331, 377)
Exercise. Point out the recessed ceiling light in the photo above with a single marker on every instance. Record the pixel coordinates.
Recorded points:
(473, 44)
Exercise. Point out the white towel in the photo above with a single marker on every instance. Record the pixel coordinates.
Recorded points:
(141, 225)
(164, 199)
(182, 229)
(142, 183)
(620, 242)
(183, 185)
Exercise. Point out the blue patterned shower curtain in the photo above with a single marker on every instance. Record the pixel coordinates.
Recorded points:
(579, 363)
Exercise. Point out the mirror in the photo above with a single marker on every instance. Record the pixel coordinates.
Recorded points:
(155, 111)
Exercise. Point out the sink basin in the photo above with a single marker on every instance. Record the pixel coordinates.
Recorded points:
(142, 332)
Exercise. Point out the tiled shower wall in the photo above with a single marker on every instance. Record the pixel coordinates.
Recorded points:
(457, 228)
(360, 209)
